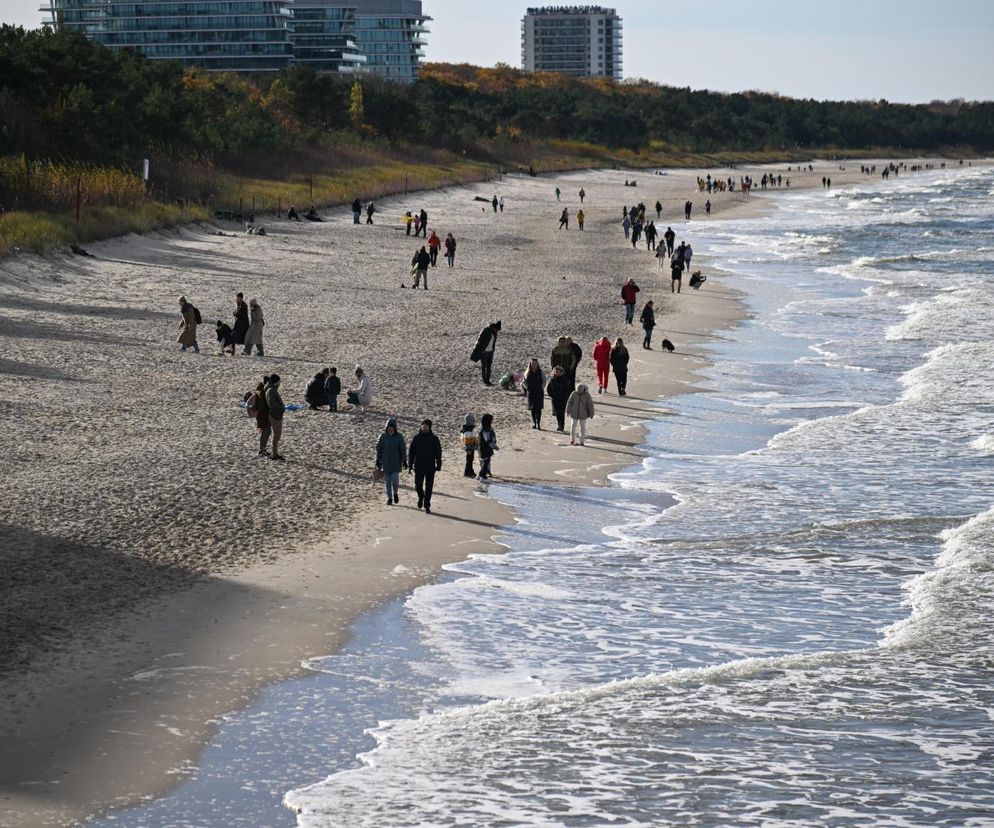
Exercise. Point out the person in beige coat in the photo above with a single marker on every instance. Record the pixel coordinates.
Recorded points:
(253, 336)
(580, 408)
(187, 326)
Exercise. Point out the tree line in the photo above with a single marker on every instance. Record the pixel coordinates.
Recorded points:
(64, 97)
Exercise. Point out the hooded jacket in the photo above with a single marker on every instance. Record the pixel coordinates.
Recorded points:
(391, 451)
(315, 393)
(580, 405)
(563, 357)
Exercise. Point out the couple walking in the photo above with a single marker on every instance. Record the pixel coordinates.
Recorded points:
(423, 459)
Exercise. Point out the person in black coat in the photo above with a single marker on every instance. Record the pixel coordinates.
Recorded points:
(241, 315)
(424, 458)
(648, 320)
(424, 223)
(619, 365)
(577, 352)
(316, 395)
(559, 391)
(535, 391)
(483, 353)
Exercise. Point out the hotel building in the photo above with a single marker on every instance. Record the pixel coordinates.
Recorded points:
(584, 41)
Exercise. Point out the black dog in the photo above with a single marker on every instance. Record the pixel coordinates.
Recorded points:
(696, 280)
(668, 346)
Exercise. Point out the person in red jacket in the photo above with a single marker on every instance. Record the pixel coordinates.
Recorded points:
(602, 359)
(629, 295)
(434, 243)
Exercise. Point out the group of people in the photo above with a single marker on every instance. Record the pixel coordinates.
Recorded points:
(636, 227)
(357, 211)
(427, 256)
(245, 332)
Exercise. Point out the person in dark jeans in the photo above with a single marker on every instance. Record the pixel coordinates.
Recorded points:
(424, 458)
(424, 223)
(648, 321)
(558, 390)
(483, 353)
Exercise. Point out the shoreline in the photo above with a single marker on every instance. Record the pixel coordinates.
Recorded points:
(266, 618)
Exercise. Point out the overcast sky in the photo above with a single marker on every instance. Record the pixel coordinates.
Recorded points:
(901, 50)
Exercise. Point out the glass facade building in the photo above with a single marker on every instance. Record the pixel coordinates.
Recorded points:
(381, 37)
(223, 35)
(390, 33)
(584, 41)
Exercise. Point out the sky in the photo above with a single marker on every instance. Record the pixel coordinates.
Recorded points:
(901, 50)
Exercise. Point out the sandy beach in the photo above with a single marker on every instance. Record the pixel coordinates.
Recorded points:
(156, 573)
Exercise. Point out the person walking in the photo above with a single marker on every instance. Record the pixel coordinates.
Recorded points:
(241, 315)
(676, 274)
(577, 352)
(602, 360)
(274, 402)
(391, 457)
(362, 395)
(424, 223)
(659, 210)
(626, 225)
(558, 194)
(564, 219)
(356, 210)
(495, 202)
(333, 387)
(502, 204)
(629, 296)
(420, 264)
(583, 195)
(580, 407)
(253, 336)
(483, 353)
(450, 250)
(535, 392)
(434, 243)
(688, 254)
(470, 443)
(579, 218)
(370, 211)
(562, 356)
(187, 326)
(648, 320)
(558, 390)
(687, 208)
(619, 365)
(670, 238)
(650, 235)
(424, 458)
(258, 407)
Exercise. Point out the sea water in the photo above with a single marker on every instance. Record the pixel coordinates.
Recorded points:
(781, 616)
(807, 635)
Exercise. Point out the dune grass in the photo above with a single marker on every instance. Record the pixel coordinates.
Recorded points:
(42, 232)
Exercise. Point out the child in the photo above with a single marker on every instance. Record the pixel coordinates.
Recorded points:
(470, 443)
(488, 445)
(226, 337)
(333, 385)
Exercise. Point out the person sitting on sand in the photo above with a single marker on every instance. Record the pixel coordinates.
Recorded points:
(648, 320)
(226, 337)
(312, 214)
(580, 407)
(362, 395)
(315, 395)
(558, 390)
(187, 326)
(292, 214)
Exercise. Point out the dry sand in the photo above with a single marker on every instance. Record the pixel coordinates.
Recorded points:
(155, 573)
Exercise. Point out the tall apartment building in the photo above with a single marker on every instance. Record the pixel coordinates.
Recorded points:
(381, 37)
(584, 41)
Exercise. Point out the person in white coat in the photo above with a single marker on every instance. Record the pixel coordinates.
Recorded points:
(580, 408)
